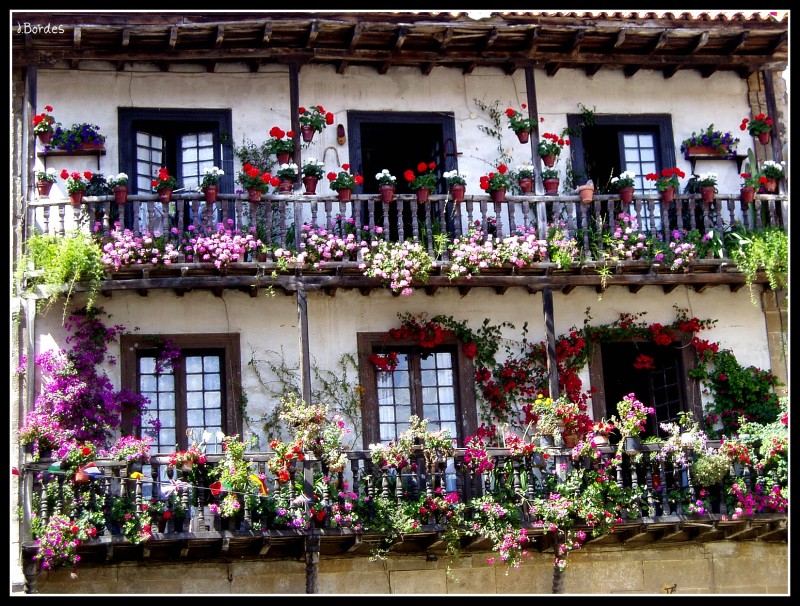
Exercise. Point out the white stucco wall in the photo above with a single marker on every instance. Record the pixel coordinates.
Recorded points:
(268, 324)
(261, 100)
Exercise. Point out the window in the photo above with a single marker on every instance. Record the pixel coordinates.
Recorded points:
(434, 384)
(200, 393)
(666, 386)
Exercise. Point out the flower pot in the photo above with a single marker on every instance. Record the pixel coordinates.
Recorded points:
(748, 195)
(285, 187)
(546, 441)
(81, 477)
(551, 186)
(668, 194)
(44, 188)
(626, 194)
(570, 440)
(344, 194)
(45, 138)
(307, 132)
(586, 192)
(600, 440)
(632, 444)
(134, 466)
(764, 138)
(76, 198)
(549, 161)
(211, 192)
(121, 194)
(91, 145)
(253, 195)
(387, 193)
(187, 467)
(165, 195)
(771, 185)
(523, 135)
(422, 195)
(707, 193)
(526, 184)
(162, 523)
(457, 192)
(310, 183)
(706, 150)
(177, 523)
(283, 158)
(498, 195)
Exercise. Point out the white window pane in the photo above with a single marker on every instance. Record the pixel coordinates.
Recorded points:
(194, 382)
(387, 432)
(451, 427)
(446, 395)
(205, 139)
(147, 383)
(142, 139)
(402, 396)
(189, 155)
(400, 378)
(155, 157)
(195, 418)
(194, 364)
(648, 155)
(444, 360)
(445, 377)
(429, 395)
(194, 399)
(386, 414)
(430, 412)
(191, 182)
(401, 427)
(212, 381)
(214, 400)
(427, 362)
(147, 365)
(447, 412)
(167, 418)
(144, 168)
(143, 184)
(428, 377)
(384, 379)
(631, 156)
(402, 413)
(206, 157)
(166, 401)
(189, 140)
(166, 383)
(214, 416)
(631, 140)
(166, 438)
(384, 396)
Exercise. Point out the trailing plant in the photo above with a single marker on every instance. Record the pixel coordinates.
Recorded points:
(766, 250)
(495, 131)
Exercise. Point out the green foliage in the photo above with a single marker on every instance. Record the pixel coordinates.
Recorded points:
(496, 116)
(710, 469)
(766, 250)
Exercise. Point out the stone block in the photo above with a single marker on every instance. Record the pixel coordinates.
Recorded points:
(475, 580)
(420, 581)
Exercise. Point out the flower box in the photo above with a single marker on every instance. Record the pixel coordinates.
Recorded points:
(706, 150)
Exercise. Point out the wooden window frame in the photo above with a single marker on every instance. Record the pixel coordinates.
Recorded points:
(464, 369)
(132, 344)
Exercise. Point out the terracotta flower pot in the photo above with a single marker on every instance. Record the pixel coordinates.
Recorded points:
(45, 138)
(586, 192)
(626, 194)
(76, 198)
(523, 135)
(668, 194)
(422, 195)
(748, 195)
(707, 193)
(498, 195)
(121, 194)
(764, 138)
(307, 132)
(165, 195)
(771, 185)
(549, 161)
(253, 195)
(283, 158)
(344, 194)
(551, 186)
(457, 192)
(526, 184)
(44, 188)
(285, 187)
(211, 192)
(310, 183)
(387, 193)
(570, 440)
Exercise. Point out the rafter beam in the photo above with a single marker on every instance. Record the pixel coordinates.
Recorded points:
(446, 39)
(779, 42)
(313, 31)
(266, 34)
(509, 68)
(384, 67)
(740, 42)
(620, 38)
(173, 38)
(254, 65)
(427, 68)
(76, 45)
(702, 40)
(491, 39)
(220, 36)
(662, 40)
(552, 68)
(576, 42)
(341, 66)
(402, 33)
(533, 40)
(469, 68)
(630, 70)
(670, 71)
(592, 69)
(707, 72)
(358, 31)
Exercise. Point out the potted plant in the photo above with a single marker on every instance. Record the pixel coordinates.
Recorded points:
(44, 124)
(601, 430)
(759, 127)
(773, 172)
(254, 181)
(550, 181)
(77, 137)
(424, 182)
(624, 184)
(707, 182)
(458, 183)
(520, 125)
(496, 183)
(631, 422)
(750, 181)
(586, 191)
(524, 175)
(134, 451)
(163, 184)
(547, 425)
(212, 177)
(45, 180)
(76, 184)
(343, 182)
(280, 143)
(312, 172)
(119, 184)
(667, 182)
(286, 174)
(387, 183)
(709, 141)
(313, 120)
(550, 147)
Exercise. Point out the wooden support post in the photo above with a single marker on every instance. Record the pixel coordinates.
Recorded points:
(312, 543)
(552, 366)
(305, 359)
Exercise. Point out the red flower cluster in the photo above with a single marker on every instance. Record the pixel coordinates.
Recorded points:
(428, 335)
(495, 180)
(644, 362)
(704, 349)
(660, 334)
(735, 451)
(551, 145)
(762, 123)
(470, 350)
(385, 363)
(279, 133)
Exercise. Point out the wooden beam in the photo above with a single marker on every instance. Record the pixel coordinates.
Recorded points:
(740, 42)
(500, 290)
(509, 68)
(254, 65)
(552, 68)
(491, 39)
(266, 34)
(330, 291)
(550, 339)
(356, 36)
(384, 67)
(533, 39)
(702, 40)
(313, 31)
(211, 67)
(707, 72)
(568, 289)
(668, 288)
(779, 42)
(620, 38)
(220, 36)
(634, 288)
(576, 42)
(341, 66)
(662, 40)
(464, 290)
(431, 290)
(469, 68)
(76, 45)
(427, 68)
(446, 39)
(592, 69)
(670, 71)
(630, 70)
(173, 38)
(402, 33)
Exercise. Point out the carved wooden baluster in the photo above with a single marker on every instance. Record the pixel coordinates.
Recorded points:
(386, 218)
(469, 204)
(370, 215)
(44, 513)
(584, 211)
(484, 217)
(400, 225)
(693, 212)
(428, 216)
(356, 220)
(651, 502)
(512, 223)
(330, 223)
(679, 212)
(662, 474)
(634, 486)
(413, 206)
(61, 228)
(747, 478)
(314, 213)
(282, 224)
(498, 216)
(385, 483)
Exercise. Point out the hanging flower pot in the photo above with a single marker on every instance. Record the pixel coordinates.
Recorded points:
(546, 441)
(76, 198)
(526, 184)
(523, 135)
(422, 195)
(307, 132)
(570, 440)
(770, 186)
(668, 194)
(387, 193)
(211, 192)
(310, 183)
(44, 188)
(120, 194)
(626, 194)
(586, 192)
(632, 444)
(498, 195)
(457, 192)
(549, 161)
(253, 195)
(551, 186)
(764, 138)
(344, 195)
(707, 193)
(600, 439)
(748, 195)
(165, 195)
(46, 137)
(285, 187)
(283, 157)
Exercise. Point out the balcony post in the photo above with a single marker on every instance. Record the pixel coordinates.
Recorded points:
(312, 544)
(552, 365)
